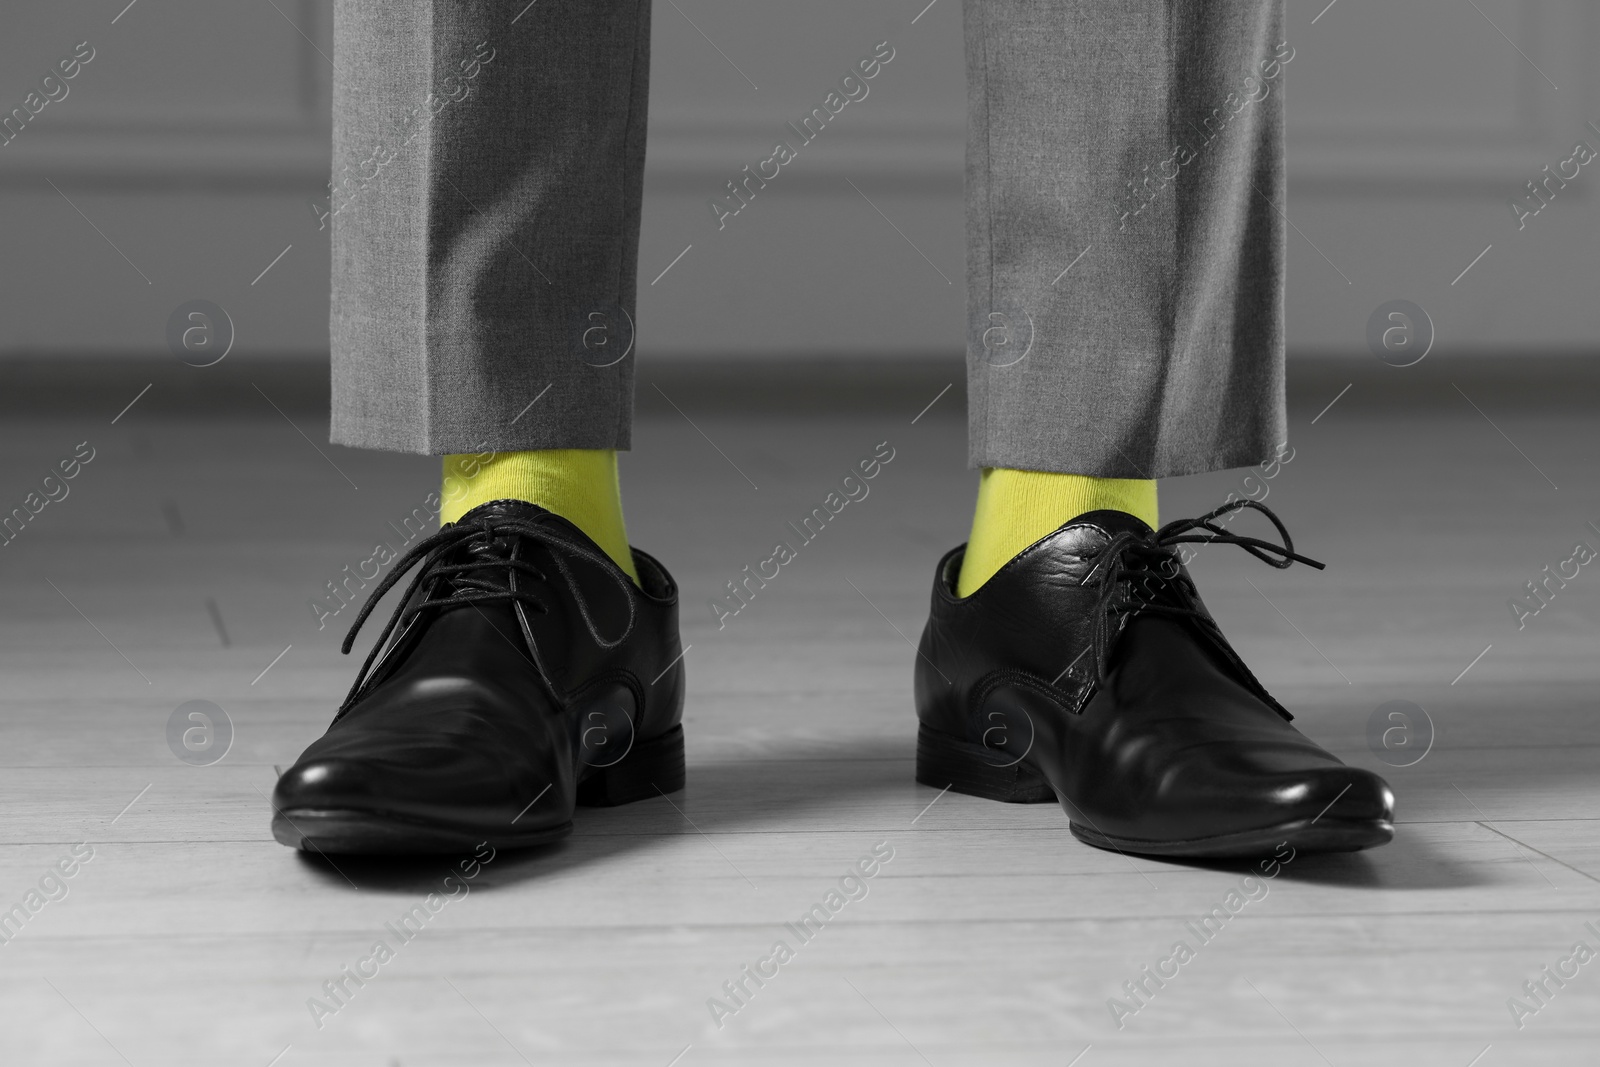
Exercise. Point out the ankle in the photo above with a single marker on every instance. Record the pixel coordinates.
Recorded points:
(580, 485)
(1016, 508)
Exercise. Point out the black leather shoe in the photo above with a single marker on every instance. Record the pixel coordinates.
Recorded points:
(1087, 670)
(522, 674)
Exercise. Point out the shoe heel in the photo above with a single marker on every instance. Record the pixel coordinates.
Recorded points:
(652, 768)
(964, 767)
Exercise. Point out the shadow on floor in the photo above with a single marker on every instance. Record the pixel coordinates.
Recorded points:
(778, 794)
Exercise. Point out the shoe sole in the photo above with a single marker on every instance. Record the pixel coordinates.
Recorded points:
(1303, 835)
(963, 767)
(653, 768)
(347, 831)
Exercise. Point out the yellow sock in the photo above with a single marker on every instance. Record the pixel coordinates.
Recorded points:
(1016, 508)
(579, 484)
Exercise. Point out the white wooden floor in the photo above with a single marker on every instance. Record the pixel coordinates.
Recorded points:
(180, 566)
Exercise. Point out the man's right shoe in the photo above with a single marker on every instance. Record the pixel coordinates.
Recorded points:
(522, 674)
(1087, 670)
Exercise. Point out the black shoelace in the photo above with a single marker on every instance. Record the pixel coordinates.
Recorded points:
(460, 585)
(1139, 573)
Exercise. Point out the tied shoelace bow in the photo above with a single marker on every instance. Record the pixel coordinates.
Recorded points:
(463, 587)
(1139, 573)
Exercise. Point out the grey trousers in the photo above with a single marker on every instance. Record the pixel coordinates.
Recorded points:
(1125, 248)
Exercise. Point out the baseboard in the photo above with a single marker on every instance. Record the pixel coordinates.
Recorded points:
(1546, 381)
(90, 386)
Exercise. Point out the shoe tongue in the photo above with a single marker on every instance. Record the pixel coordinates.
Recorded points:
(491, 554)
(507, 509)
(520, 511)
(1064, 556)
(1089, 532)
(1112, 522)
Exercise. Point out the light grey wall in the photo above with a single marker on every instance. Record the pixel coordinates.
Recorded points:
(188, 151)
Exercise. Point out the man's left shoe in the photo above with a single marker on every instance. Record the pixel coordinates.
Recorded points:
(1088, 670)
(523, 675)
